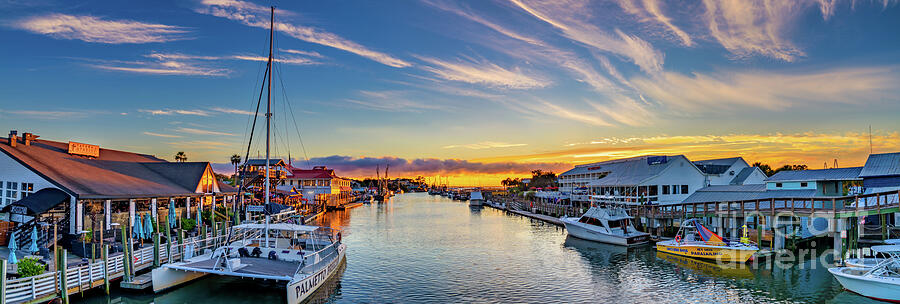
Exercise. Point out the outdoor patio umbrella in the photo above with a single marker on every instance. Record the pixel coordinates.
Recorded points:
(199, 217)
(34, 240)
(172, 213)
(148, 227)
(12, 249)
(136, 229)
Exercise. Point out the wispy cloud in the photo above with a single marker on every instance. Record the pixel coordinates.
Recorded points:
(485, 145)
(625, 110)
(175, 111)
(364, 166)
(651, 11)
(162, 135)
(776, 149)
(392, 101)
(202, 132)
(301, 52)
(483, 72)
(97, 30)
(250, 14)
(755, 27)
(49, 115)
(770, 90)
(572, 19)
(295, 60)
(232, 111)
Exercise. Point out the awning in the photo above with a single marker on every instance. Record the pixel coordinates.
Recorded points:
(38, 202)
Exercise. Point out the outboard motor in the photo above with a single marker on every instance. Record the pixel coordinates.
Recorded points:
(256, 252)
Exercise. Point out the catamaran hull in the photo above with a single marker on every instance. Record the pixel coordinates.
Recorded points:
(299, 291)
(739, 255)
(885, 289)
(597, 236)
(165, 278)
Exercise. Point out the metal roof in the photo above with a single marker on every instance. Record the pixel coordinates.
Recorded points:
(628, 171)
(716, 166)
(733, 193)
(881, 165)
(743, 175)
(817, 175)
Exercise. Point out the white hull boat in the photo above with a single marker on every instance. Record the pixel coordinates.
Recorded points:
(476, 199)
(871, 261)
(301, 262)
(880, 282)
(612, 226)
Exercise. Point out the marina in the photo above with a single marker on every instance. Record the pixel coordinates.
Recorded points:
(438, 151)
(536, 259)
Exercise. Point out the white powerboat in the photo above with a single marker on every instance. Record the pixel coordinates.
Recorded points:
(607, 225)
(871, 261)
(300, 257)
(476, 198)
(880, 282)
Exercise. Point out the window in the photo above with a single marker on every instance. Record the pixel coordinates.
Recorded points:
(665, 189)
(777, 185)
(674, 189)
(684, 189)
(803, 185)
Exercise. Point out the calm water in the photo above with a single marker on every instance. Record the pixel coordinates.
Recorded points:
(424, 249)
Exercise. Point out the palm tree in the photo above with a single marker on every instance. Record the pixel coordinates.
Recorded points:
(180, 156)
(235, 160)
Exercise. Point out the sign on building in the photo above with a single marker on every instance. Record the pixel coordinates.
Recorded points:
(256, 208)
(84, 149)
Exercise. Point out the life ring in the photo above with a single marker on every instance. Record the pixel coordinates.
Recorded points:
(677, 239)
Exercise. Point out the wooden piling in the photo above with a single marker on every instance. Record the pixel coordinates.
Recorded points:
(155, 224)
(105, 254)
(63, 285)
(126, 256)
(168, 243)
(2, 281)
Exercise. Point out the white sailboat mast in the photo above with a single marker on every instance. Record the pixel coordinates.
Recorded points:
(269, 119)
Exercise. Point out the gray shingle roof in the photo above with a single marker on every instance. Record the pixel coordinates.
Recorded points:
(817, 175)
(881, 165)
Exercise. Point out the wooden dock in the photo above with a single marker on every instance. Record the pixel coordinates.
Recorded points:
(140, 282)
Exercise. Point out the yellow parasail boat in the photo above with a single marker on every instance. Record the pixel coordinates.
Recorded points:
(696, 241)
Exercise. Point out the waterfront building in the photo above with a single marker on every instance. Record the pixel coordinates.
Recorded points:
(730, 171)
(254, 171)
(881, 173)
(79, 185)
(319, 181)
(637, 180)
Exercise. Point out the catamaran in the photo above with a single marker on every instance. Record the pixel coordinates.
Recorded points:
(300, 257)
(708, 246)
(607, 225)
(880, 282)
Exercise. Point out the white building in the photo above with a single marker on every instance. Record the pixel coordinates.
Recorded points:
(318, 181)
(730, 171)
(636, 180)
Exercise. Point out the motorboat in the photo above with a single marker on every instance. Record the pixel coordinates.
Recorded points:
(476, 198)
(880, 282)
(607, 225)
(299, 257)
(870, 261)
(694, 240)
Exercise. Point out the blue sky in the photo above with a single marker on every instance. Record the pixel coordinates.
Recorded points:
(473, 87)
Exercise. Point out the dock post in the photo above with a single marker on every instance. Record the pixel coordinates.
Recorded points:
(105, 257)
(126, 256)
(168, 244)
(155, 224)
(839, 235)
(203, 235)
(2, 281)
(63, 286)
(180, 243)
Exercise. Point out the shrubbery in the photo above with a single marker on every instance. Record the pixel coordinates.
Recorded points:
(29, 267)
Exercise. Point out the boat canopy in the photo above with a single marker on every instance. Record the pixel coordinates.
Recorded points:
(886, 248)
(892, 241)
(279, 226)
(708, 236)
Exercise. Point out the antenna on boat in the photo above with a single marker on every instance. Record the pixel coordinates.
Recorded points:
(269, 120)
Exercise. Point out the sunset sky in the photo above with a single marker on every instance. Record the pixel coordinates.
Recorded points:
(476, 90)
